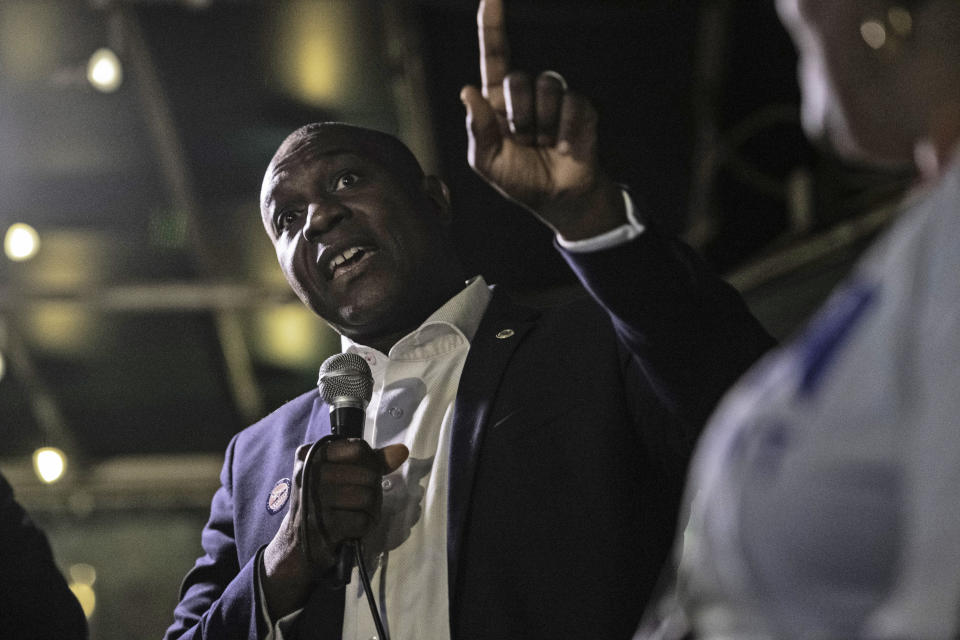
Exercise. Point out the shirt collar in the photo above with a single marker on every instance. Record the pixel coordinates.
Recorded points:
(459, 317)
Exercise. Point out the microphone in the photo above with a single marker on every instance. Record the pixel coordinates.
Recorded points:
(346, 384)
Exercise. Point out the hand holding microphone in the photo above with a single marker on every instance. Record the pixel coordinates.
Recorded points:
(341, 481)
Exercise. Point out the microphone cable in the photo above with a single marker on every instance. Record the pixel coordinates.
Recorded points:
(368, 589)
(309, 518)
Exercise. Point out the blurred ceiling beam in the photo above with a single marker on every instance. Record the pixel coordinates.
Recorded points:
(711, 64)
(404, 53)
(797, 255)
(165, 296)
(55, 430)
(124, 483)
(157, 113)
(224, 296)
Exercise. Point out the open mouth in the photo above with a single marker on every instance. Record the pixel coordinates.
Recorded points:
(348, 260)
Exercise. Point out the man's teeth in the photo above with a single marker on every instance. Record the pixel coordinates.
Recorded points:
(343, 257)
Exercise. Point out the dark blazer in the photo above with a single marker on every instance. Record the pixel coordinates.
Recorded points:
(570, 444)
(34, 599)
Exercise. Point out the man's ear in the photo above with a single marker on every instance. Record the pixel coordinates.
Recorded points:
(439, 193)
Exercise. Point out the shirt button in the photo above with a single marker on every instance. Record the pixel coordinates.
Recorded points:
(387, 484)
(395, 412)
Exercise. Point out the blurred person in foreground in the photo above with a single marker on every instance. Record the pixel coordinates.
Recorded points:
(823, 498)
(35, 602)
(524, 467)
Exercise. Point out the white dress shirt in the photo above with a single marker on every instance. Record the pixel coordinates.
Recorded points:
(414, 388)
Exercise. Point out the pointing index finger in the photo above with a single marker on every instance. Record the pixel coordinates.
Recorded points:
(494, 52)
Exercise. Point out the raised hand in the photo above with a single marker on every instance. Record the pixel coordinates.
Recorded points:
(535, 141)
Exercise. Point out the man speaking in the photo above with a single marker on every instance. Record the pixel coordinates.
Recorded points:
(520, 470)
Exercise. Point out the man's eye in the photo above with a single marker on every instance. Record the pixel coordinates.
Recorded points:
(346, 181)
(286, 218)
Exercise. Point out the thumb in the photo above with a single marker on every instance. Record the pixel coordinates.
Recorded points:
(483, 130)
(392, 456)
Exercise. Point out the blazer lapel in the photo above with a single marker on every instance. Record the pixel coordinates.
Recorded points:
(501, 330)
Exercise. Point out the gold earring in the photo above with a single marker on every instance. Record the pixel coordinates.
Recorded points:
(887, 36)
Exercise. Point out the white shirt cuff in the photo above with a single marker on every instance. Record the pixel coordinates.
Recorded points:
(615, 237)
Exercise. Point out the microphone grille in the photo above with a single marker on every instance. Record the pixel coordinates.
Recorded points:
(345, 375)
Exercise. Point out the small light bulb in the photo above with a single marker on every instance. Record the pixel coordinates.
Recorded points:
(85, 596)
(83, 573)
(104, 70)
(49, 463)
(21, 242)
(874, 34)
(901, 21)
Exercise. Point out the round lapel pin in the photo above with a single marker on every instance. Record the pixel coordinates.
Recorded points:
(278, 496)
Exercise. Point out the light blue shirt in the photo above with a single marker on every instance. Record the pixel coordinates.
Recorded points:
(824, 498)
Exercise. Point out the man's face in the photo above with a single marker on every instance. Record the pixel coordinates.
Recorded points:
(822, 110)
(849, 95)
(360, 247)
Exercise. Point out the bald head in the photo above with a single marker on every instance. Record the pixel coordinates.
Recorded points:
(318, 138)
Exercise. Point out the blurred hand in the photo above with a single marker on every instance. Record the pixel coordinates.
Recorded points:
(347, 497)
(535, 141)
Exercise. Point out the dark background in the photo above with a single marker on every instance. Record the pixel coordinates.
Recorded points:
(154, 323)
